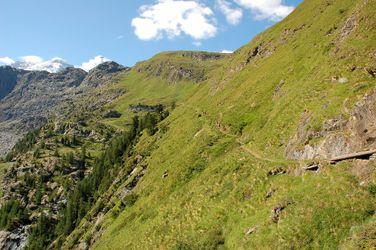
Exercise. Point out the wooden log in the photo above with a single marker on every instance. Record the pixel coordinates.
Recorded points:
(353, 156)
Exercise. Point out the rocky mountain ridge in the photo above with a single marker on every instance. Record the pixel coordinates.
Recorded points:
(29, 98)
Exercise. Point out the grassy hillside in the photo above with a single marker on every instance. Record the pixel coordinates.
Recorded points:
(61, 170)
(165, 79)
(218, 172)
(209, 179)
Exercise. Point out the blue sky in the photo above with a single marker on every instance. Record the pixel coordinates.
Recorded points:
(79, 30)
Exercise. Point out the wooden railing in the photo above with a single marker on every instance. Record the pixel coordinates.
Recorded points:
(359, 155)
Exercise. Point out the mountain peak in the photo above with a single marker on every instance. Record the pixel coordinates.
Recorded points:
(53, 65)
(102, 73)
(108, 67)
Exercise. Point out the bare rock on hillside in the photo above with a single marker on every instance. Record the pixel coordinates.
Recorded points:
(350, 24)
(277, 210)
(203, 56)
(277, 171)
(338, 136)
(15, 240)
(103, 73)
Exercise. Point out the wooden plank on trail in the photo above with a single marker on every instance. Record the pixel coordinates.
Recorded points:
(353, 156)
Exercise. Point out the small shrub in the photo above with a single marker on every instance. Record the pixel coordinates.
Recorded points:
(11, 212)
(129, 200)
(115, 213)
(372, 190)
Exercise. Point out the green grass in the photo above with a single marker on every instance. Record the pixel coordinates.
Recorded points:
(205, 192)
(4, 167)
(202, 203)
(150, 91)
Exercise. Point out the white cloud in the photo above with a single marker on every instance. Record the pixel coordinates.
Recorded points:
(233, 15)
(227, 51)
(145, 29)
(31, 59)
(173, 18)
(120, 37)
(6, 61)
(273, 10)
(92, 63)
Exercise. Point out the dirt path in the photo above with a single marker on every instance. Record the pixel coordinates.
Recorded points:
(226, 131)
(256, 154)
(243, 146)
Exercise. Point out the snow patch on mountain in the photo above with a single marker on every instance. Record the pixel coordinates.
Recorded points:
(54, 65)
(6, 61)
(36, 63)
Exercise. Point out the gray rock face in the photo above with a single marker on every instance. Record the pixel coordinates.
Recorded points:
(339, 136)
(37, 90)
(8, 79)
(29, 98)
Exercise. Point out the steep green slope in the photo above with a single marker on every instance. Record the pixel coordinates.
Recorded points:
(209, 179)
(241, 160)
(59, 173)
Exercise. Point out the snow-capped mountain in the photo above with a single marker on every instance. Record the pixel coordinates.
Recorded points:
(53, 65)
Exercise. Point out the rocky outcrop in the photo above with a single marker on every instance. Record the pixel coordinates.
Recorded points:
(338, 136)
(180, 66)
(15, 240)
(103, 73)
(146, 108)
(174, 73)
(112, 114)
(203, 56)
